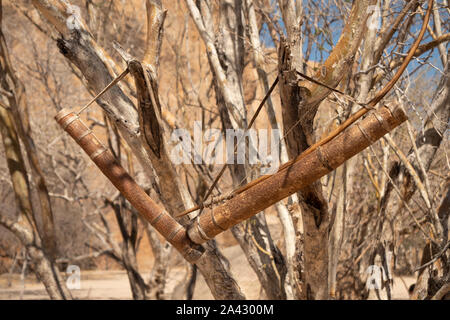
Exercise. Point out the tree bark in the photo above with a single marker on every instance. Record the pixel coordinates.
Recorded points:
(23, 226)
(256, 197)
(79, 47)
(300, 101)
(226, 59)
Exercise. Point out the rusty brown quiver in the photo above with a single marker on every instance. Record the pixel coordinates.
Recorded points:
(301, 173)
(167, 226)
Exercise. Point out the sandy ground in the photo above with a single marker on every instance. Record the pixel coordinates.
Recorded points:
(102, 284)
(114, 284)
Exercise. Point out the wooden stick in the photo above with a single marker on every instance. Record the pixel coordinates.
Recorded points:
(157, 216)
(115, 81)
(352, 119)
(300, 174)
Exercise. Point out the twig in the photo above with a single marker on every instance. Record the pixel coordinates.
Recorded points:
(109, 86)
(410, 168)
(435, 258)
(357, 115)
(222, 170)
(401, 197)
(442, 292)
(346, 96)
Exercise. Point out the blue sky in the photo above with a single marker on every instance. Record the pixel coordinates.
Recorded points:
(327, 41)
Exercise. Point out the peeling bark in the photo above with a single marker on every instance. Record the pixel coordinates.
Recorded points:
(226, 58)
(79, 47)
(300, 101)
